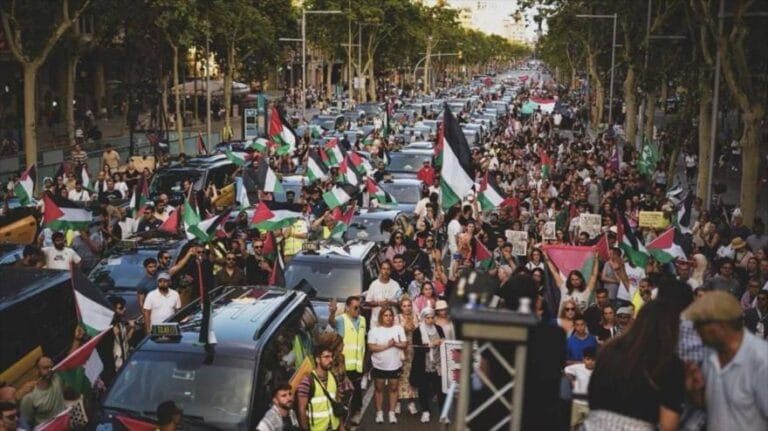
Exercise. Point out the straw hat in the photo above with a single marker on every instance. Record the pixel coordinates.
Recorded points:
(715, 306)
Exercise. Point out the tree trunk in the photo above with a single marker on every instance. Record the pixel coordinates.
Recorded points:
(705, 135)
(68, 108)
(164, 103)
(597, 84)
(177, 100)
(30, 113)
(630, 101)
(372, 83)
(328, 78)
(750, 161)
(650, 110)
(427, 64)
(229, 76)
(664, 93)
(99, 86)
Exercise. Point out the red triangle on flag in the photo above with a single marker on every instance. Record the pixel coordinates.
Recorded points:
(261, 213)
(481, 251)
(484, 183)
(275, 125)
(52, 211)
(569, 258)
(355, 158)
(171, 224)
(60, 422)
(79, 357)
(663, 241)
(132, 424)
(269, 245)
(371, 186)
(603, 251)
(201, 149)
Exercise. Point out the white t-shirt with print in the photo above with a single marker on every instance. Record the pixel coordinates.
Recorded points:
(635, 274)
(60, 259)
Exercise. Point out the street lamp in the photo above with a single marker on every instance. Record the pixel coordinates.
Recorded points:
(304, 13)
(439, 54)
(613, 59)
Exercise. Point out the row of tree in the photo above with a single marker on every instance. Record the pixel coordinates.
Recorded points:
(151, 37)
(670, 41)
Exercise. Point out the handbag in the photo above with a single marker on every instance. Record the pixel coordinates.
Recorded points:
(339, 409)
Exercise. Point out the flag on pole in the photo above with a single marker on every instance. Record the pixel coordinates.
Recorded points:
(266, 178)
(483, 256)
(348, 173)
(241, 194)
(280, 133)
(380, 194)
(239, 159)
(202, 150)
(316, 168)
(171, 224)
(490, 196)
(649, 157)
(280, 219)
(140, 197)
(629, 243)
(25, 188)
(259, 144)
(63, 214)
(438, 149)
(196, 228)
(457, 177)
(60, 422)
(546, 163)
(343, 220)
(93, 310)
(339, 195)
(333, 152)
(665, 249)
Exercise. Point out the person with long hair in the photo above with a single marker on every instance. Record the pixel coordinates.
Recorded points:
(574, 287)
(386, 342)
(409, 320)
(568, 313)
(607, 328)
(639, 381)
(427, 297)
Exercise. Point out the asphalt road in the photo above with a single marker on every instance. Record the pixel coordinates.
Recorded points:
(405, 421)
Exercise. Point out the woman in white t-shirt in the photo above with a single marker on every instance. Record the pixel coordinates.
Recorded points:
(386, 342)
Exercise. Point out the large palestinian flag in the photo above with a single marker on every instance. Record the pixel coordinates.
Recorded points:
(269, 220)
(267, 179)
(629, 243)
(339, 195)
(456, 175)
(665, 249)
(316, 168)
(568, 258)
(62, 214)
(281, 134)
(25, 188)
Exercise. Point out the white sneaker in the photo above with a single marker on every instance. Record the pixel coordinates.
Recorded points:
(425, 417)
(397, 408)
(412, 408)
(379, 417)
(392, 418)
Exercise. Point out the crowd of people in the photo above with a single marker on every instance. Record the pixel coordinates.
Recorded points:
(676, 343)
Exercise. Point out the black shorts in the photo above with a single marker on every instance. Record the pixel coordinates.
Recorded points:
(385, 374)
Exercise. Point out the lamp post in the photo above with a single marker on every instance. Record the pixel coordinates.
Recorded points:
(439, 54)
(613, 59)
(304, 13)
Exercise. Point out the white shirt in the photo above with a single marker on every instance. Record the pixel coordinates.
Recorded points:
(380, 291)
(454, 229)
(161, 306)
(581, 376)
(635, 274)
(60, 259)
(81, 196)
(389, 359)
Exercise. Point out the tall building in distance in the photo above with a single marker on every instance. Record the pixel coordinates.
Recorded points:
(490, 16)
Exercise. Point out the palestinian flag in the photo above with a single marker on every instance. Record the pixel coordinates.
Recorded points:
(665, 249)
(239, 159)
(333, 152)
(196, 228)
(490, 195)
(369, 138)
(132, 424)
(93, 310)
(339, 195)
(259, 144)
(456, 175)
(241, 194)
(348, 174)
(483, 256)
(358, 162)
(268, 220)
(629, 243)
(438, 150)
(316, 169)
(683, 217)
(649, 157)
(281, 134)
(139, 197)
(315, 131)
(380, 194)
(60, 422)
(25, 187)
(63, 215)
(266, 178)
(171, 224)
(603, 250)
(343, 220)
(202, 150)
(272, 252)
(546, 163)
(568, 258)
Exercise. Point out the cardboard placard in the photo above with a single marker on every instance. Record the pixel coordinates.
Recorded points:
(550, 231)
(653, 219)
(516, 235)
(591, 224)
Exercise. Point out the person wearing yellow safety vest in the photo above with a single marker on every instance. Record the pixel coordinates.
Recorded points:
(294, 238)
(352, 328)
(315, 407)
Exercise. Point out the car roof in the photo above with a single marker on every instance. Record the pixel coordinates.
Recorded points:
(242, 319)
(403, 181)
(20, 284)
(351, 252)
(414, 151)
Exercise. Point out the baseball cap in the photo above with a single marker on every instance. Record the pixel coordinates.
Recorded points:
(164, 276)
(624, 310)
(441, 305)
(715, 306)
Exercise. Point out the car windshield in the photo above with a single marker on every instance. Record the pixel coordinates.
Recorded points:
(370, 226)
(403, 193)
(172, 181)
(409, 162)
(330, 281)
(124, 271)
(216, 390)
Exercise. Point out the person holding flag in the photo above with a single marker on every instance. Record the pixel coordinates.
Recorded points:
(43, 398)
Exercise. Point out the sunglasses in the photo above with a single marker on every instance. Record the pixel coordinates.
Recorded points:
(570, 309)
